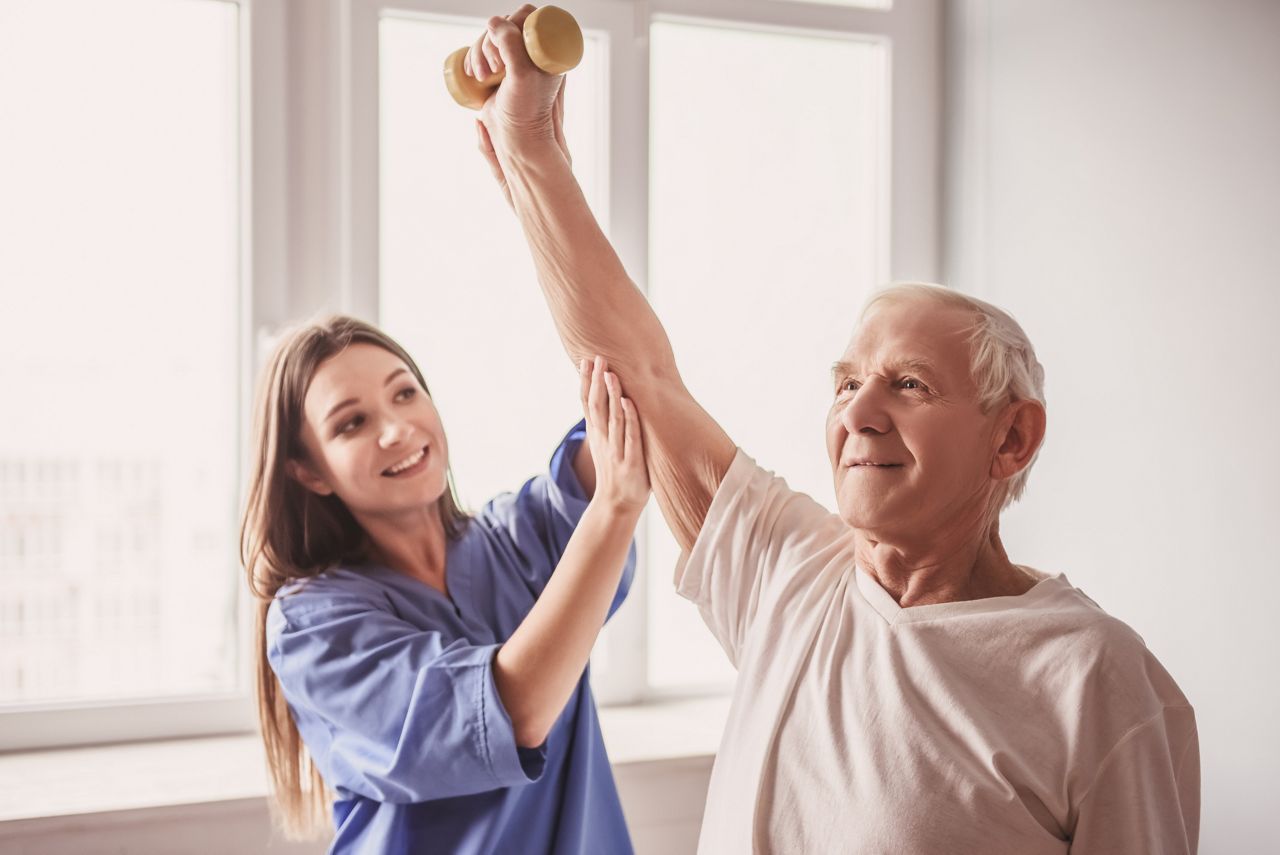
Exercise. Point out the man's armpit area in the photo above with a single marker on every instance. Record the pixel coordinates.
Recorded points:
(685, 477)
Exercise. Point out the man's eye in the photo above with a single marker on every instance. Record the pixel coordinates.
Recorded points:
(911, 383)
(848, 385)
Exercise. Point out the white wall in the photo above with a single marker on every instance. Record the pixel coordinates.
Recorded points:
(1114, 181)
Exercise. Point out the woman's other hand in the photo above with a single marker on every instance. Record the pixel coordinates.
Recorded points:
(615, 436)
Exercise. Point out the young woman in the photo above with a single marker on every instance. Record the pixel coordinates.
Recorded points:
(432, 664)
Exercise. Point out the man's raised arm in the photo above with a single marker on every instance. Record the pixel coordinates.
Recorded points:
(596, 307)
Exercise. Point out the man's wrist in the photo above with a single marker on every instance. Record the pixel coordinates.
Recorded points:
(530, 154)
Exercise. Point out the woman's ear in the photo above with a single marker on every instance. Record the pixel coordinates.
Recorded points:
(1023, 432)
(302, 473)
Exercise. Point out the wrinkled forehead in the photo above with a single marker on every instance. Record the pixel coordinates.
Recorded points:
(912, 333)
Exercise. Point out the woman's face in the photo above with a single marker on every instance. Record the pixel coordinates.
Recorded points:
(372, 434)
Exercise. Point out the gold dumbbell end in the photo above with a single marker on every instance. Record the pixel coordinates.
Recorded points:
(553, 39)
(466, 90)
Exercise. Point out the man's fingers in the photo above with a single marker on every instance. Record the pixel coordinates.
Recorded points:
(484, 143)
(474, 63)
(491, 54)
(557, 121)
(509, 39)
(518, 16)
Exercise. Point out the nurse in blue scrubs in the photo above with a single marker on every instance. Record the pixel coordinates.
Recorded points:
(424, 669)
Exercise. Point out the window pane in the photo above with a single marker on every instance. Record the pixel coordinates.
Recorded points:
(119, 363)
(766, 233)
(457, 283)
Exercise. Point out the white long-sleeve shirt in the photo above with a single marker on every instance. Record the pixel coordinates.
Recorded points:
(1022, 725)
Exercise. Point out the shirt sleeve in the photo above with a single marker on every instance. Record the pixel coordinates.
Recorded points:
(389, 711)
(538, 520)
(1146, 796)
(761, 543)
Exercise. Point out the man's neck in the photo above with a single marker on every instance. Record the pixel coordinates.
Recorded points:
(942, 570)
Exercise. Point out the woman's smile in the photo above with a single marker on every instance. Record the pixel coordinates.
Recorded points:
(411, 465)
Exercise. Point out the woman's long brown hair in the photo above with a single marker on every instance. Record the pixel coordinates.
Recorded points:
(289, 532)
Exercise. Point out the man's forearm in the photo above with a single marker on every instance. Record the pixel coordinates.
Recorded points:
(596, 307)
(599, 311)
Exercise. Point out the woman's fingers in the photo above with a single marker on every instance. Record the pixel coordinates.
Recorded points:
(634, 435)
(597, 398)
(584, 384)
(617, 434)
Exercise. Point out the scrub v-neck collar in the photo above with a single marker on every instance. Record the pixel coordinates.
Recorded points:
(457, 580)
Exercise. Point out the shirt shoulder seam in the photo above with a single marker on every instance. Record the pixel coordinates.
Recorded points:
(1124, 738)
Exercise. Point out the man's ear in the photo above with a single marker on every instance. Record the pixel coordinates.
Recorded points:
(1022, 432)
(300, 472)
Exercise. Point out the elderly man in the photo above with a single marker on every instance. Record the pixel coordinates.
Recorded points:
(903, 687)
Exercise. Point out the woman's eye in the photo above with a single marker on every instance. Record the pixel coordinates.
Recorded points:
(350, 424)
(407, 393)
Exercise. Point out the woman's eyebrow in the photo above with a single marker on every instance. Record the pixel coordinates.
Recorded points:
(341, 406)
(393, 375)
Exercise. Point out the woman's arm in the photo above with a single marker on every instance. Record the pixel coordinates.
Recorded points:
(596, 307)
(537, 669)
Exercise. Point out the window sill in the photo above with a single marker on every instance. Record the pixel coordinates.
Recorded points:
(71, 781)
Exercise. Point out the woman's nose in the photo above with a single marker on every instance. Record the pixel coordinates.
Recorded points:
(394, 432)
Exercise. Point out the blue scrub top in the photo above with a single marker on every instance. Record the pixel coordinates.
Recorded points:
(391, 685)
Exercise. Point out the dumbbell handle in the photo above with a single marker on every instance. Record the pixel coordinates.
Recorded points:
(553, 39)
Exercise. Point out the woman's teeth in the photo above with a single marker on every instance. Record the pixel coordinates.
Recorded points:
(406, 463)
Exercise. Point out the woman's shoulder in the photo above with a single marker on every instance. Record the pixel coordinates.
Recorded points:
(337, 587)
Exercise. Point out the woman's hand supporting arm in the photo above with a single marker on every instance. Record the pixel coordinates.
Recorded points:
(537, 669)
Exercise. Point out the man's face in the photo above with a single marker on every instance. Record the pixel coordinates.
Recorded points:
(910, 449)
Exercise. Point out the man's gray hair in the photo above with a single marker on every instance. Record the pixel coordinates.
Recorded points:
(1003, 362)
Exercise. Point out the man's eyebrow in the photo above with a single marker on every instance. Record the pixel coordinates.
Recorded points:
(918, 364)
(336, 407)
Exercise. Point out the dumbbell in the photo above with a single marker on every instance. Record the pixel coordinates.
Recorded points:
(553, 39)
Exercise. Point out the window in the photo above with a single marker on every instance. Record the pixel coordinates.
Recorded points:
(457, 286)
(121, 218)
(182, 177)
(769, 241)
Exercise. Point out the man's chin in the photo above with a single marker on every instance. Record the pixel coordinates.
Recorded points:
(868, 513)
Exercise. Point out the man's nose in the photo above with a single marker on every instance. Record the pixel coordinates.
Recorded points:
(866, 411)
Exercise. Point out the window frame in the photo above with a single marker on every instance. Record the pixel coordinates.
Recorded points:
(910, 204)
(261, 28)
(309, 240)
